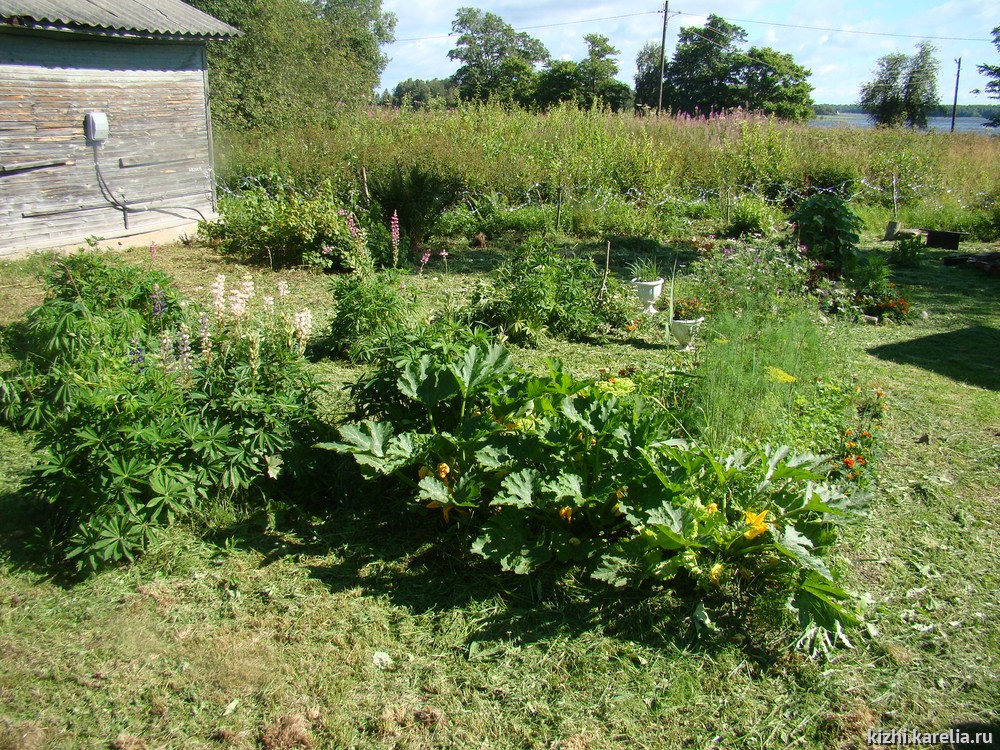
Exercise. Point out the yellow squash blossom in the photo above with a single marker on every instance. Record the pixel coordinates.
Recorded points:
(715, 573)
(566, 514)
(756, 522)
(712, 508)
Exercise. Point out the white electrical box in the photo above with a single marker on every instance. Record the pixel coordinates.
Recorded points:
(95, 126)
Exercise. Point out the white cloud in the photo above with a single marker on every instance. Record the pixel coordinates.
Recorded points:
(840, 61)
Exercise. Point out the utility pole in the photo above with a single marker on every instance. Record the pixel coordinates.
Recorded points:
(663, 52)
(954, 105)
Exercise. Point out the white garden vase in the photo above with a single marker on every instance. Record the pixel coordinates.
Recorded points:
(684, 331)
(649, 292)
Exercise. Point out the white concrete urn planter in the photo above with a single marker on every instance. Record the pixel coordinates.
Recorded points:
(684, 331)
(649, 292)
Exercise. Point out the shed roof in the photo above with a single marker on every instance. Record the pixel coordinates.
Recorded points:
(146, 18)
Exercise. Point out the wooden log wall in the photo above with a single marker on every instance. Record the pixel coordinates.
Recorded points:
(58, 188)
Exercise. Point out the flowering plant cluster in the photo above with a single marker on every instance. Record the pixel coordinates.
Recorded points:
(549, 469)
(155, 414)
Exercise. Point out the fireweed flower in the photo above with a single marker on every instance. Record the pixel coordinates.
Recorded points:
(424, 260)
(352, 226)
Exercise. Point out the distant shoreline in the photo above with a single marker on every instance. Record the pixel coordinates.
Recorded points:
(967, 124)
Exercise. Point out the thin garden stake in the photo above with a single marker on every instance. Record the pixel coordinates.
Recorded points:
(607, 270)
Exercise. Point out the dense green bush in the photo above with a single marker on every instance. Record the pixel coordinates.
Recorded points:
(142, 422)
(417, 194)
(751, 215)
(829, 231)
(370, 308)
(544, 292)
(281, 226)
(549, 469)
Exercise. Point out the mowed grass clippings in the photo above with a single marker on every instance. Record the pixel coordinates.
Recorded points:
(355, 625)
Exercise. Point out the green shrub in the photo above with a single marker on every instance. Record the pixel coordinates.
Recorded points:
(546, 470)
(418, 194)
(751, 215)
(876, 295)
(282, 227)
(147, 424)
(544, 292)
(829, 231)
(370, 308)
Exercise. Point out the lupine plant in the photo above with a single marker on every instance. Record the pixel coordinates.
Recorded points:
(159, 413)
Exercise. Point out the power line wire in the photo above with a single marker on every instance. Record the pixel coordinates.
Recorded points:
(738, 20)
(848, 31)
(542, 26)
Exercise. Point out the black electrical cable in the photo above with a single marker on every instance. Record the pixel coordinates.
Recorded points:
(123, 205)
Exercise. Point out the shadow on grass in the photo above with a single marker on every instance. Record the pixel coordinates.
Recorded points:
(968, 355)
(375, 545)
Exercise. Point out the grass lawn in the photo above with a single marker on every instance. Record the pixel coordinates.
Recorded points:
(354, 628)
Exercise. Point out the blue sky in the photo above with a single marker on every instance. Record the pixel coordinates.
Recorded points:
(841, 49)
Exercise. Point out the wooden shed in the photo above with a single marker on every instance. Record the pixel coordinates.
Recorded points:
(104, 121)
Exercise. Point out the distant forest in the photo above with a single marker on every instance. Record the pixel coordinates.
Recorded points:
(963, 110)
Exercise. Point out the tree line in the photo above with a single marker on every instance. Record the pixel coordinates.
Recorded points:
(299, 61)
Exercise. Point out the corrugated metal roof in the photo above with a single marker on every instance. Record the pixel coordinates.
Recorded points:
(171, 18)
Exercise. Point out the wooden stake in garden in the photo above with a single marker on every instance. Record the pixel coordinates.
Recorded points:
(607, 270)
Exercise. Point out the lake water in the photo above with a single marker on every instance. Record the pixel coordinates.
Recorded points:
(942, 124)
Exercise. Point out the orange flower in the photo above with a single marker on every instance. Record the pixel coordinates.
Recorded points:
(849, 462)
(443, 470)
(566, 514)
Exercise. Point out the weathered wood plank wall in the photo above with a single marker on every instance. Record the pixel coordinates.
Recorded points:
(57, 188)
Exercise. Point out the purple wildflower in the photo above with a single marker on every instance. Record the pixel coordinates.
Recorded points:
(136, 355)
(159, 300)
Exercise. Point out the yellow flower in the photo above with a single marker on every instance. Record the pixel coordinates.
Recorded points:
(780, 376)
(715, 573)
(756, 522)
(443, 470)
(620, 493)
(566, 514)
(712, 508)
